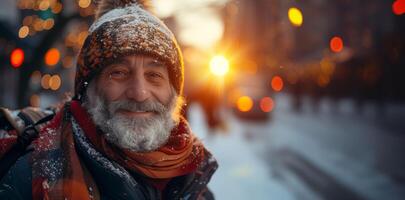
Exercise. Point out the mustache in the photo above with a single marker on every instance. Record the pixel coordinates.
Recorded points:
(146, 106)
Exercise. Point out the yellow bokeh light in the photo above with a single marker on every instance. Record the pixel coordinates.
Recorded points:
(244, 103)
(44, 5)
(295, 16)
(52, 57)
(55, 82)
(84, 3)
(219, 65)
(23, 32)
(45, 81)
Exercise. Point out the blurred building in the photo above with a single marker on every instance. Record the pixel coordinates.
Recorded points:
(367, 67)
(38, 49)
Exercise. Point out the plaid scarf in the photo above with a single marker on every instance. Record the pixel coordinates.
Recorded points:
(58, 172)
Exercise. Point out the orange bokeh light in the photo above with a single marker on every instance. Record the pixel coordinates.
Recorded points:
(17, 58)
(55, 82)
(52, 57)
(244, 103)
(277, 83)
(266, 104)
(45, 81)
(336, 44)
(398, 7)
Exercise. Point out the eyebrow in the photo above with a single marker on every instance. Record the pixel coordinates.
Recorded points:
(155, 63)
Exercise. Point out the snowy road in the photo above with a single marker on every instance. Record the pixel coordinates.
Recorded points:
(306, 155)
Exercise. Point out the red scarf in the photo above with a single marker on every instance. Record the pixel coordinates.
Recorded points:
(179, 156)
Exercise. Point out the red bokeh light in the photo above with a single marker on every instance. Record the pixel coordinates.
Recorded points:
(17, 58)
(277, 83)
(398, 7)
(266, 104)
(336, 44)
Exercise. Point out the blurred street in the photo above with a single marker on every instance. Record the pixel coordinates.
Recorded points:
(335, 153)
(295, 99)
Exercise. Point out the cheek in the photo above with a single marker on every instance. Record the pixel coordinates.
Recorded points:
(163, 95)
(111, 91)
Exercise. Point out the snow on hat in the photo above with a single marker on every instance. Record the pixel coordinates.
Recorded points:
(124, 27)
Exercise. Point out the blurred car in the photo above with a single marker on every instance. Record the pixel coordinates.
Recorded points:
(250, 98)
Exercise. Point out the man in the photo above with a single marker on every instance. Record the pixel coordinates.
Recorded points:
(121, 137)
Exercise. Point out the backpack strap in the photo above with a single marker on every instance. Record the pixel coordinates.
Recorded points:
(24, 125)
(20, 119)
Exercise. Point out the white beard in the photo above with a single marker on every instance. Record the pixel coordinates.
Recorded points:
(141, 134)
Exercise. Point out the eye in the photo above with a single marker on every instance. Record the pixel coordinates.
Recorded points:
(118, 74)
(154, 76)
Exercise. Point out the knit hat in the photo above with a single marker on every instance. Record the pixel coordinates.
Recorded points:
(121, 28)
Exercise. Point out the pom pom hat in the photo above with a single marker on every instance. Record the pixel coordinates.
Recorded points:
(121, 28)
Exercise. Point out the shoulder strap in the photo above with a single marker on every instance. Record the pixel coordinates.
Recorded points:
(20, 119)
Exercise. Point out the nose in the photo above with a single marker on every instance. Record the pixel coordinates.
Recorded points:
(137, 89)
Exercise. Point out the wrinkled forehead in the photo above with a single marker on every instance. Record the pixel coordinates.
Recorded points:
(138, 58)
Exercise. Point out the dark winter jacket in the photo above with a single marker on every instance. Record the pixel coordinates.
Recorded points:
(17, 183)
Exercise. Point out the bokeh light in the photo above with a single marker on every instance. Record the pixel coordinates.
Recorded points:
(55, 82)
(44, 5)
(336, 44)
(219, 65)
(84, 3)
(48, 24)
(45, 81)
(266, 104)
(52, 57)
(244, 103)
(398, 7)
(17, 57)
(295, 16)
(277, 83)
(23, 32)
(57, 8)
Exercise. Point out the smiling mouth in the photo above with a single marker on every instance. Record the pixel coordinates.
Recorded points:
(130, 113)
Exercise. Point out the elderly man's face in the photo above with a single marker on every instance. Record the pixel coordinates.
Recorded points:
(137, 78)
(133, 102)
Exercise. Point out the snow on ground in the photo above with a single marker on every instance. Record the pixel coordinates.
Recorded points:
(242, 174)
(345, 145)
(362, 152)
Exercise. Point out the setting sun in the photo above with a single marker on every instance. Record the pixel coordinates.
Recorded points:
(219, 65)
